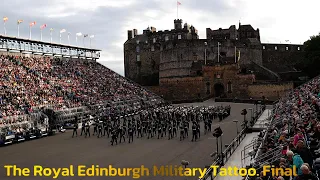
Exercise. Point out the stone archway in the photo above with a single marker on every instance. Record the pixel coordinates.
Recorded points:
(218, 90)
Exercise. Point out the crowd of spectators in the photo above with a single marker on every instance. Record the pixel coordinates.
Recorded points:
(28, 83)
(296, 130)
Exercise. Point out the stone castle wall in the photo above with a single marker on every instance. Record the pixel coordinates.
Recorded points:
(281, 57)
(270, 91)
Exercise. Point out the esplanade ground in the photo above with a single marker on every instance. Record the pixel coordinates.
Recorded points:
(62, 150)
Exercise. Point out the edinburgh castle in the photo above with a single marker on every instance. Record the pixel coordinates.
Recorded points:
(229, 63)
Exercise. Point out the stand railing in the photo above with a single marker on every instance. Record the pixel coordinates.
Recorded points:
(246, 152)
(227, 153)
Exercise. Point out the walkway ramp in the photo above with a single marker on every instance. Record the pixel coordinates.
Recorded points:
(245, 153)
(263, 121)
(235, 159)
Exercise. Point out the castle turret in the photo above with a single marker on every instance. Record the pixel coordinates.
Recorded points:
(178, 24)
(135, 32)
(130, 34)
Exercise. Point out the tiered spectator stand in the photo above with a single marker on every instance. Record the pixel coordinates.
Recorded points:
(66, 89)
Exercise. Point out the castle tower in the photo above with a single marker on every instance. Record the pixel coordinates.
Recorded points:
(178, 24)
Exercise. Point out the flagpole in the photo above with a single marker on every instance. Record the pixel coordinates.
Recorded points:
(50, 36)
(77, 40)
(40, 34)
(18, 30)
(177, 10)
(69, 38)
(90, 42)
(4, 26)
(83, 41)
(60, 38)
(30, 32)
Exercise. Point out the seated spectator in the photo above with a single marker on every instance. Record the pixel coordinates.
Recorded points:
(306, 174)
(304, 152)
(295, 161)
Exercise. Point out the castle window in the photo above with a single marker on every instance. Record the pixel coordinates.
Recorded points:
(138, 41)
(138, 58)
(275, 48)
(287, 48)
(263, 47)
(179, 36)
(154, 40)
(137, 49)
(298, 48)
(152, 48)
(166, 38)
(146, 41)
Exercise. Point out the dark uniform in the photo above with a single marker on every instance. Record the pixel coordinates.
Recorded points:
(194, 132)
(87, 130)
(114, 137)
(139, 129)
(198, 129)
(130, 133)
(75, 129)
(160, 131)
(122, 133)
(149, 131)
(83, 128)
(181, 132)
(174, 129)
(186, 130)
(95, 128)
(100, 130)
(170, 132)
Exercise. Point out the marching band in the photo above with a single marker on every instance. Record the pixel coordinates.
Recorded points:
(154, 123)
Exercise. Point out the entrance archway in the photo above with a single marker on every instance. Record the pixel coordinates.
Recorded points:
(218, 90)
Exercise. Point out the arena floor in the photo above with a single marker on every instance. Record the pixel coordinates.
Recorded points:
(62, 150)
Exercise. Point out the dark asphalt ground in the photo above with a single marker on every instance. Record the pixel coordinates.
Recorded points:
(62, 151)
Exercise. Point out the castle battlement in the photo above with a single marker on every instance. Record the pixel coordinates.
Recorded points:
(179, 32)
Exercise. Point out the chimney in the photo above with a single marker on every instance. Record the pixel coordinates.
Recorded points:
(135, 32)
(129, 34)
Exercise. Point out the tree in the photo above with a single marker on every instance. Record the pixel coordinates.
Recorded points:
(311, 62)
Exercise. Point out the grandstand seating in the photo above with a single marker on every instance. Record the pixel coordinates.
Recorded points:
(29, 84)
(295, 128)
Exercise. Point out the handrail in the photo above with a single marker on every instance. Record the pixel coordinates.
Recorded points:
(226, 154)
(229, 150)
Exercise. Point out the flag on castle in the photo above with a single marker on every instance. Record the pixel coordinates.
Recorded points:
(51, 29)
(19, 21)
(178, 4)
(85, 35)
(5, 19)
(43, 26)
(63, 30)
(32, 24)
